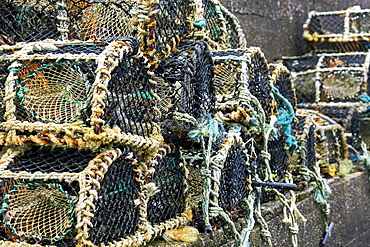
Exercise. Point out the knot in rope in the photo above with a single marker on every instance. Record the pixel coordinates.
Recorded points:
(294, 228)
(265, 155)
(208, 127)
(201, 22)
(206, 172)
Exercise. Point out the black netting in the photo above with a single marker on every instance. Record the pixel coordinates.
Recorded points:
(324, 24)
(25, 20)
(3, 75)
(169, 177)
(214, 22)
(334, 145)
(234, 185)
(259, 84)
(284, 83)
(76, 48)
(305, 87)
(279, 157)
(298, 64)
(130, 104)
(223, 53)
(48, 160)
(115, 214)
(40, 192)
(185, 84)
(172, 23)
(344, 60)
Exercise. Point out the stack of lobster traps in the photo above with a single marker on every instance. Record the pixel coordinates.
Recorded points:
(124, 121)
(332, 79)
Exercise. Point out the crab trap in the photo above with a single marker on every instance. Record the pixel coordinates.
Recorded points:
(185, 88)
(338, 31)
(248, 94)
(330, 78)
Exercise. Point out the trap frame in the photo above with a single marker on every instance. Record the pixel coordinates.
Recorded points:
(338, 31)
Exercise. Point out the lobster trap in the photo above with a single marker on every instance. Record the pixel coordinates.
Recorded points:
(69, 197)
(63, 94)
(330, 143)
(185, 87)
(245, 76)
(346, 116)
(336, 77)
(159, 25)
(338, 31)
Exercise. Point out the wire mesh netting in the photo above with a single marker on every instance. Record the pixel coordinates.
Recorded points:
(338, 31)
(26, 20)
(235, 180)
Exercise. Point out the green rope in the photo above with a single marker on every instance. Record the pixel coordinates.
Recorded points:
(250, 220)
(213, 130)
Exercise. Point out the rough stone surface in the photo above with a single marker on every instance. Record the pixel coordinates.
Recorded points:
(350, 212)
(277, 26)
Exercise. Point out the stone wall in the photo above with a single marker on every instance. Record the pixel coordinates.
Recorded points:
(277, 25)
(350, 213)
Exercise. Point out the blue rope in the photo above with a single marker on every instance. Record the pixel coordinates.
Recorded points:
(200, 22)
(208, 127)
(365, 98)
(285, 119)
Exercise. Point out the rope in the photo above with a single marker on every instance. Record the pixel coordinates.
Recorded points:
(212, 130)
(285, 119)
